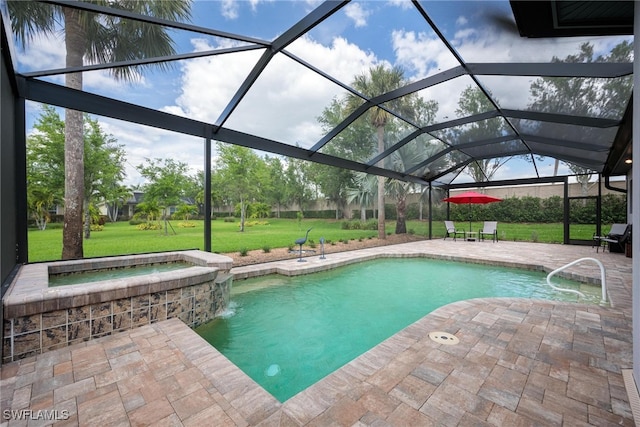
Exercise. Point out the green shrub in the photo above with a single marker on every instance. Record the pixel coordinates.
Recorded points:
(149, 226)
(229, 219)
(266, 249)
(243, 251)
(371, 224)
(252, 223)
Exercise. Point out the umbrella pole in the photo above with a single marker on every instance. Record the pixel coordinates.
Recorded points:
(469, 217)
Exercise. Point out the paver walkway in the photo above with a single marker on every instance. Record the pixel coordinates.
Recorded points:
(518, 362)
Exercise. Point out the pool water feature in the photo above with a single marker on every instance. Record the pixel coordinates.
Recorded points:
(289, 332)
(38, 318)
(90, 276)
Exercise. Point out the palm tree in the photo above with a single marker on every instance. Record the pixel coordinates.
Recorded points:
(378, 81)
(99, 40)
(363, 194)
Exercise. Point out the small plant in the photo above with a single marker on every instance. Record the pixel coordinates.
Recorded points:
(360, 239)
(534, 236)
(243, 251)
(186, 224)
(266, 249)
(332, 243)
(149, 226)
(229, 219)
(411, 231)
(291, 246)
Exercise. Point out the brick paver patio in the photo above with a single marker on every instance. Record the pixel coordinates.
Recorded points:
(518, 362)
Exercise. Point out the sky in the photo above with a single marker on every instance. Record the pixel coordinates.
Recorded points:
(287, 98)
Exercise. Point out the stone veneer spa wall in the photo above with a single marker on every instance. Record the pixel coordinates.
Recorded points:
(39, 318)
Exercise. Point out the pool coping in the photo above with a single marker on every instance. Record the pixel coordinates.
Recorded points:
(29, 293)
(318, 264)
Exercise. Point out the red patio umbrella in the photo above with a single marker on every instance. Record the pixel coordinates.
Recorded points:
(471, 197)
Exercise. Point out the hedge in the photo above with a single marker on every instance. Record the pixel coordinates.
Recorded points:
(534, 209)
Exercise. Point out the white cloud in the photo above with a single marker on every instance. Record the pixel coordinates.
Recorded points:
(142, 142)
(403, 4)
(49, 53)
(229, 9)
(356, 13)
(285, 101)
(421, 53)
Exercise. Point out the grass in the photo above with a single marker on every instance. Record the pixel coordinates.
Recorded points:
(122, 238)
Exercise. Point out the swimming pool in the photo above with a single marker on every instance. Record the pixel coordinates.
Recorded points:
(289, 332)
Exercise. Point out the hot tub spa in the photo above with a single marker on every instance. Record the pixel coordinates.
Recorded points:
(38, 317)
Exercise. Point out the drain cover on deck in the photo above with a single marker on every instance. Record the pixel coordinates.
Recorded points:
(444, 338)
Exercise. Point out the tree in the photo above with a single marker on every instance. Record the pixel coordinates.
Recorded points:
(99, 39)
(103, 167)
(103, 161)
(583, 97)
(167, 181)
(115, 196)
(185, 211)
(39, 200)
(240, 170)
(274, 193)
(364, 192)
(334, 183)
(45, 165)
(379, 80)
(473, 101)
(298, 188)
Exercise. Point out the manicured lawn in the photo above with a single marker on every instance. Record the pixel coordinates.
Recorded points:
(122, 238)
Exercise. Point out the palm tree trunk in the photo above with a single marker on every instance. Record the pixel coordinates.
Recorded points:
(87, 218)
(242, 209)
(401, 210)
(73, 145)
(381, 229)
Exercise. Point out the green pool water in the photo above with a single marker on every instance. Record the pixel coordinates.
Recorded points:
(114, 273)
(289, 332)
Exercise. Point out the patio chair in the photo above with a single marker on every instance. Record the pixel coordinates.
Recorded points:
(489, 228)
(614, 239)
(452, 230)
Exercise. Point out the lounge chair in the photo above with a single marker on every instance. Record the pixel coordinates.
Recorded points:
(489, 228)
(451, 230)
(614, 239)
